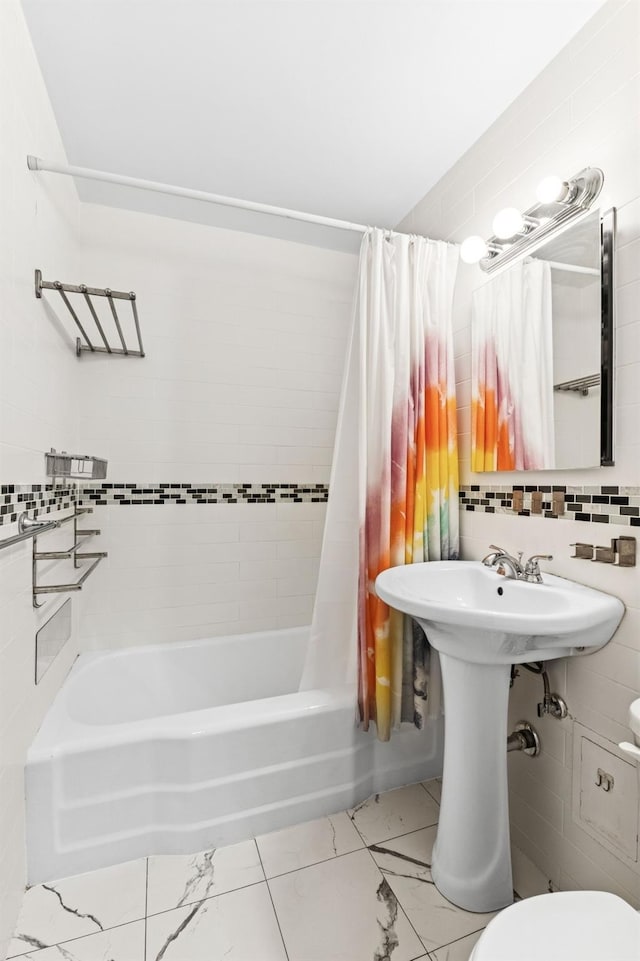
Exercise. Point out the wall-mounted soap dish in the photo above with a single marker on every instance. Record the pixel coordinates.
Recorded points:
(621, 552)
(75, 466)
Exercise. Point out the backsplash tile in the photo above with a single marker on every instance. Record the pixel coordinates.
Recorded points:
(606, 504)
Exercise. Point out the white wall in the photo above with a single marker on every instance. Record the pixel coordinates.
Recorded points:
(37, 398)
(245, 339)
(582, 110)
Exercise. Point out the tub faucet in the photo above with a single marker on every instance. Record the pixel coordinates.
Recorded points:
(499, 559)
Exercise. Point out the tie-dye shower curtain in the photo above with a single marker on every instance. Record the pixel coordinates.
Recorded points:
(408, 459)
(512, 425)
(394, 480)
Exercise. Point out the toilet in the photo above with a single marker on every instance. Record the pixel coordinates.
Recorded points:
(567, 926)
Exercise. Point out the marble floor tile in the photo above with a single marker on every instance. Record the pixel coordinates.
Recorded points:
(125, 943)
(176, 880)
(387, 815)
(305, 844)
(84, 904)
(342, 910)
(457, 950)
(405, 863)
(434, 787)
(239, 926)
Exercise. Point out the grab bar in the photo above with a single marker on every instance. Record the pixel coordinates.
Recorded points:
(28, 528)
(77, 586)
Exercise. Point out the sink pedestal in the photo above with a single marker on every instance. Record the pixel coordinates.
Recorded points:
(471, 863)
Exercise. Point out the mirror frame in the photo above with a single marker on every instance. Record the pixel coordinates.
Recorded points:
(607, 325)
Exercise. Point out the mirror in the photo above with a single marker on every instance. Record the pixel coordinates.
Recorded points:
(542, 356)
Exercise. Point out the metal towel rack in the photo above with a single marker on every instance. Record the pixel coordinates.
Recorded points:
(88, 293)
(30, 528)
(72, 553)
(580, 384)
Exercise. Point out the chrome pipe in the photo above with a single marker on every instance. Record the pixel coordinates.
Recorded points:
(524, 738)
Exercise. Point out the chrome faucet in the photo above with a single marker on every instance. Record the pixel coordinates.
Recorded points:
(499, 559)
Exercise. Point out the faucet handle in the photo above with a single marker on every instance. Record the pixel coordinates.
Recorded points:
(532, 568)
(533, 560)
(490, 558)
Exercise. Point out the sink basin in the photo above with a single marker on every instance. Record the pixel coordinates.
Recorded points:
(481, 623)
(476, 614)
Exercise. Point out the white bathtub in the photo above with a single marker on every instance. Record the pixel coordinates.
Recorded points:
(182, 747)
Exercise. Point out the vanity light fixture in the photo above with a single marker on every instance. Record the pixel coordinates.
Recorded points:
(560, 203)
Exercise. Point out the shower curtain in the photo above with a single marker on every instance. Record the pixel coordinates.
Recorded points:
(512, 371)
(394, 482)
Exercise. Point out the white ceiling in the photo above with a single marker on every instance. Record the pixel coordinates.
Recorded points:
(347, 108)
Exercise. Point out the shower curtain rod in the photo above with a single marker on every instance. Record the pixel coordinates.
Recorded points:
(35, 163)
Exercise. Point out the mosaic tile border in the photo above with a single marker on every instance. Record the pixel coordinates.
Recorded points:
(603, 504)
(44, 498)
(596, 504)
(37, 498)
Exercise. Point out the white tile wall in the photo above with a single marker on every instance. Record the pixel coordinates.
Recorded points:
(181, 572)
(38, 222)
(583, 109)
(245, 339)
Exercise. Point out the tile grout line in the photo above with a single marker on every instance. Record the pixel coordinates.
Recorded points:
(146, 905)
(80, 937)
(212, 897)
(434, 799)
(275, 913)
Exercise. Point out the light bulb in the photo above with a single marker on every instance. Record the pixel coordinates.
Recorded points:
(551, 190)
(473, 249)
(507, 222)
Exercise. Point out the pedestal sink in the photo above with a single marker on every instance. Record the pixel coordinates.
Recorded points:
(482, 623)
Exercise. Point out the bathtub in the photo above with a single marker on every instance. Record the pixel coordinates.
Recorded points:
(176, 748)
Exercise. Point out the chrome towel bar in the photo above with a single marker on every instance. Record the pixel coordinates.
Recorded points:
(77, 585)
(28, 528)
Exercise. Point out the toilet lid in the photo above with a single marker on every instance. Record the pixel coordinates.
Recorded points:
(568, 926)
